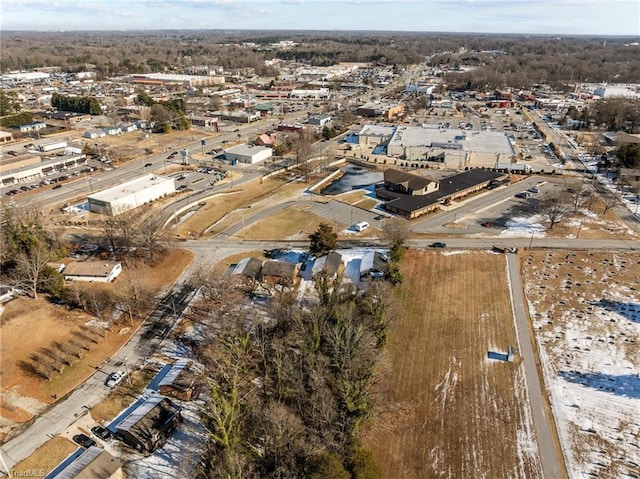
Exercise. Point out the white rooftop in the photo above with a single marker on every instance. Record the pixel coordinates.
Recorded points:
(467, 140)
(130, 188)
(246, 149)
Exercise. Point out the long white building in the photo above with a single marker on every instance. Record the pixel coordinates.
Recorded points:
(130, 195)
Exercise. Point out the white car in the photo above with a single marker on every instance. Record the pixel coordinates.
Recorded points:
(115, 378)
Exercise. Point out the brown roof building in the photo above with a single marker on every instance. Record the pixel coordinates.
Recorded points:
(279, 272)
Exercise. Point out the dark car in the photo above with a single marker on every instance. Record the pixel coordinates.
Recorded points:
(57, 186)
(438, 244)
(101, 432)
(83, 440)
(12, 192)
(488, 224)
(148, 164)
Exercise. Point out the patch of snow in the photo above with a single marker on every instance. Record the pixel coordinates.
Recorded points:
(521, 226)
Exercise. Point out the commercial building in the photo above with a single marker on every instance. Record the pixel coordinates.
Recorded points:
(174, 79)
(453, 146)
(29, 167)
(248, 153)
(386, 110)
(130, 195)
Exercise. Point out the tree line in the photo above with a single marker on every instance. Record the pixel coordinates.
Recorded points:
(78, 104)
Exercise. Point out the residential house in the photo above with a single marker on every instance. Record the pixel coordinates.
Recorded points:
(92, 463)
(148, 427)
(279, 272)
(246, 272)
(94, 271)
(373, 265)
(266, 139)
(183, 381)
(330, 263)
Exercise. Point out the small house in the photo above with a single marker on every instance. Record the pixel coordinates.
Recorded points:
(247, 271)
(149, 425)
(373, 265)
(330, 263)
(182, 381)
(279, 272)
(92, 463)
(98, 271)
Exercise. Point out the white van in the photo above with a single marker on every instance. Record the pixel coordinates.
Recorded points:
(363, 225)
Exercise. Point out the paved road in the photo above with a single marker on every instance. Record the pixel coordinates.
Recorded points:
(550, 456)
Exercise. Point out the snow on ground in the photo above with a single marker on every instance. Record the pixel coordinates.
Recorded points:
(524, 226)
(178, 456)
(587, 321)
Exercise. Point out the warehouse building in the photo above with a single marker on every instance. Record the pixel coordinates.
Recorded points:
(130, 195)
(248, 153)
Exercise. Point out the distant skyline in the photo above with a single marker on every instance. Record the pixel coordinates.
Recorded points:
(561, 17)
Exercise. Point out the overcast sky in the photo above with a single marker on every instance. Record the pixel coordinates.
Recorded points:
(585, 17)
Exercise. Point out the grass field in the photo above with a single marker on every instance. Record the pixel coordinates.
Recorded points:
(123, 396)
(289, 223)
(447, 411)
(45, 458)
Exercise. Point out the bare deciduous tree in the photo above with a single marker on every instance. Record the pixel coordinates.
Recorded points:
(555, 207)
(32, 266)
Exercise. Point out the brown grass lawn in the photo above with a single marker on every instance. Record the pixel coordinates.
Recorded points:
(28, 325)
(45, 458)
(123, 396)
(294, 222)
(447, 411)
(218, 206)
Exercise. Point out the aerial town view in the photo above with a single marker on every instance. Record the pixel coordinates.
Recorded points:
(320, 239)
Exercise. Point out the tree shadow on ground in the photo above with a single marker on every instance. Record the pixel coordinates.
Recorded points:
(627, 385)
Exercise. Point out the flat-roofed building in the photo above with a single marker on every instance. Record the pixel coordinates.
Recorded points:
(382, 109)
(93, 271)
(28, 167)
(130, 195)
(453, 146)
(248, 153)
(172, 78)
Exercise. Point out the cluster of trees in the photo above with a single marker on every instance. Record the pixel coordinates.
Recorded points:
(629, 155)
(78, 104)
(27, 250)
(17, 119)
(288, 396)
(614, 114)
(523, 61)
(165, 114)
(9, 103)
(50, 360)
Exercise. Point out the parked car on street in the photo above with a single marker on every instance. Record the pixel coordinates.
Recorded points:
(115, 378)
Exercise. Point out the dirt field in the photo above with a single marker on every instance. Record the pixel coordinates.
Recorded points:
(585, 309)
(28, 325)
(447, 410)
